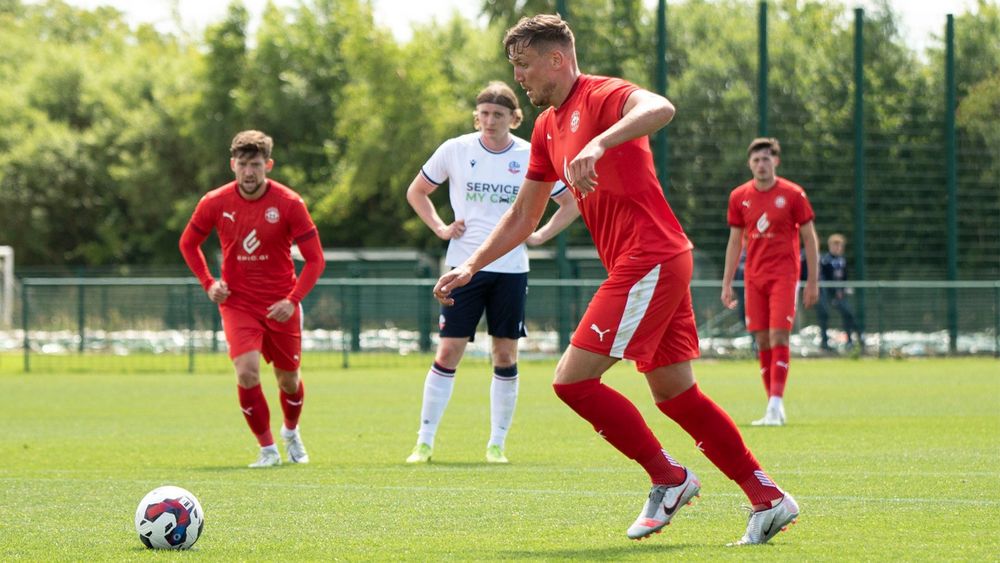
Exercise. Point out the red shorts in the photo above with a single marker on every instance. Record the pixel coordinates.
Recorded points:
(770, 304)
(643, 314)
(279, 343)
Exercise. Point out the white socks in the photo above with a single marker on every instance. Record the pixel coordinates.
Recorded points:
(503, 399)
(437, 392)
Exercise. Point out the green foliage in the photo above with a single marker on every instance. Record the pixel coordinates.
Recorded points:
(109, 134)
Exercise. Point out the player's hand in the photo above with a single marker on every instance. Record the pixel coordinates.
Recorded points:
(451, 280)
(811, 294)
(452, 231)
(582, 170)
(218, 292)
(281, 311)
(728, 297)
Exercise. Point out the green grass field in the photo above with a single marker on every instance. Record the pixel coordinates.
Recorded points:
(893, 460)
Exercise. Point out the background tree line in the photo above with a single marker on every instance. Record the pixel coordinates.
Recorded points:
(109, 134)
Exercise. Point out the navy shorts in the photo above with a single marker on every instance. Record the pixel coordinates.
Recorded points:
(502, 296)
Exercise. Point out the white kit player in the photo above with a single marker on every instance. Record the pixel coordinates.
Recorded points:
(484, 171)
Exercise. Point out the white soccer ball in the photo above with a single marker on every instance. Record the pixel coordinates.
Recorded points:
(169, 518)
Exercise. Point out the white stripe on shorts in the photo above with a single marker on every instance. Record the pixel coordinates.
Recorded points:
(638, 300)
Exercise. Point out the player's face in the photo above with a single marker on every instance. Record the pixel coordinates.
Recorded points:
(762, 164)
(494, 121)
(251, 172)
(531, 71)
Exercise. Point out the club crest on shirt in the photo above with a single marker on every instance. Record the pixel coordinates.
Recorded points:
(779, 201)
(514, 167)
(272, 215)
(574, 121)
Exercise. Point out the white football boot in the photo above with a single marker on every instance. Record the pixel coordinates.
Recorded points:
(661, 506)
(293, 446)
(269, 457)
(765, 524)
(773, 416)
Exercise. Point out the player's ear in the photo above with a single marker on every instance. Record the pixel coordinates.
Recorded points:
(269, 165)
(232, 164)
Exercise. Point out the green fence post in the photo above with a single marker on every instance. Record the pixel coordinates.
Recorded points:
(81, 311)
(859, 167)
(996, 320)
(661, 146)
(423, 311)
(562, 293)
(344, 340)
(879, 313)
(190, 319)
(25, 302)
(952, 182)
(762, 71)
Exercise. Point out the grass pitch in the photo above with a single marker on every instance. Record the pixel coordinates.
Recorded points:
(889, 460)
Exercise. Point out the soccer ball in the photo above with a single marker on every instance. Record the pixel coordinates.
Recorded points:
(169, 518)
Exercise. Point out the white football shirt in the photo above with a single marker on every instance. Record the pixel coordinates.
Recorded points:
(482, 184)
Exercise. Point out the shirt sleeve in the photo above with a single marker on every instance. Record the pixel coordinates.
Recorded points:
(300, 223)
(540, 166)
(557, 190)
(803, 211)
(734, 216)
(435, 170)
(204, 216)
(190, 246)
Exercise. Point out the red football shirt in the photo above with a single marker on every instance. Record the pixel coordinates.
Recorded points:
(770, 221)
(256, 238)
(628, 217)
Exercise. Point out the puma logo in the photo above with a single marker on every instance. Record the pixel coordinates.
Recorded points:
(746, 203)
(231, 215)
(783, 365)
(294, 403)
(600, 333)
(247, 411)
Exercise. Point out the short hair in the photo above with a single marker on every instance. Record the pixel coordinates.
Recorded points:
(250, 143)
(836, 237)
(501, 94)
(764, 143)
(538, 31)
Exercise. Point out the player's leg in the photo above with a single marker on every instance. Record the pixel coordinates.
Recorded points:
(505, 323)
(244, 337)
(626, 319)
(715, 434)
(823, 317)
(782, 318)
(758, 315)
(282, 347)
(457, 328)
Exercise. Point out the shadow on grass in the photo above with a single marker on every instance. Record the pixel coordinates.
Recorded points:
(616, 553)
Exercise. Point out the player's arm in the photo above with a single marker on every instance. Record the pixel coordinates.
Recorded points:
(561, 219)
(643, 113)
(733, 249)
(514, 227)
(190, 246)
(419, 197)
(810, 241)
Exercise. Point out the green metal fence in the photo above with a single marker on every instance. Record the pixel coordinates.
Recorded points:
(167, 324)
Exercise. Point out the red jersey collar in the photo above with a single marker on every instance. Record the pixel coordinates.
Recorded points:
(572, 91)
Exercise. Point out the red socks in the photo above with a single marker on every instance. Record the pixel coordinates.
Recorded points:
(617, 420)
(291, 406)
(779, 370)
(258, 416)
(765, 369)
(717, 436)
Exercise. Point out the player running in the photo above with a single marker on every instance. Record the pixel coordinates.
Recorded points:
(258, 220)
(766, 216)
(594, 138)
(484, 172)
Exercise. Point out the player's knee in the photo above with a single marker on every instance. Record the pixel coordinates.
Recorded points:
(248, 378)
